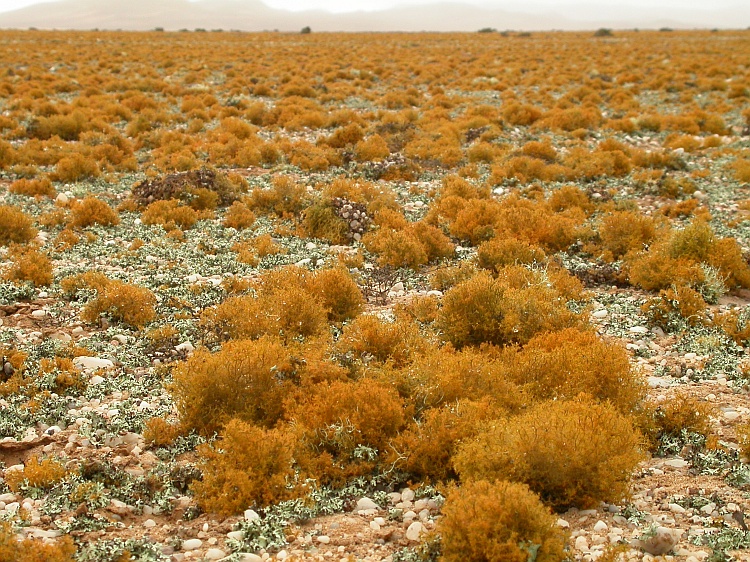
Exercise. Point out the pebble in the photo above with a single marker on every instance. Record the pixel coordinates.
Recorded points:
(407, 495)
(150, 523)
(323, 539)
(414, 531)
(562, 523)
(186, 347)
(582, 544)
(366, 503)
(638, 330)
(600, 314)
(191, 544)
(676, 463)
(660, 543)
(215, 554)
(251, 515)
(250, 557)
(600, 526)
(92, 363)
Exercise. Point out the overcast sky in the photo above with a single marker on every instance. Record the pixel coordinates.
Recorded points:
(354, 5)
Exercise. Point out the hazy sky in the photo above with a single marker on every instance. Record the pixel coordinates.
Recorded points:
(353, 5)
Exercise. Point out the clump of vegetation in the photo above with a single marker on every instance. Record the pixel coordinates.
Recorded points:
(15, 226)
(535, 448)
(29, 264)
(511, 308)
(248, 466)
(30, 550)
(131, 304)
(170, 214)
(91, 211)
(499, 522)
(561, 365)
(246, 379)
(39, 187)
(36, 473)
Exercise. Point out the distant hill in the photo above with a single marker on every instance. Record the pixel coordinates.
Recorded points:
(253, 15)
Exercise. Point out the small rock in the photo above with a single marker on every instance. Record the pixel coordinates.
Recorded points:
(398, 287)
(407, 495)
(215, 554)
(600, 526)
(600, 314)
(414, 531)
(676, 508)
(638, 330)
(191, 544)
(660, 543)
(251, 515)
(282, 555)
(676, 463)
(186, 347)
(249, 557)
(582, 544)
(92, 363)
(95, 380)
(39, 313)
(236, 535)
(149, 523)
(323, 539)
(562, 523)
(366, 503)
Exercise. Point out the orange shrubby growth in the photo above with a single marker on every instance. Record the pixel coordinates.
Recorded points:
(291, 302)
(246, 379)
(535, 448)
(29, 264)
(121, 301)
(498, 522)
(248, 466)
(36, 473)
(511, 308)
(33, 550)
(15, 226)
(680, 258)
(33, 187)
(170, 214)
(91, 211)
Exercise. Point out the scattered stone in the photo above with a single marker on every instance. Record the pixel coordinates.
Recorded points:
(414, 531)
(661, 542)
(366, 503)
(215, 554)
(191, 544)
(92, 363)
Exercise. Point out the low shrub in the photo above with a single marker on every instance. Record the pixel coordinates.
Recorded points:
(15, 226)
(345, 428)
(91, 211)
(245, 379)
(29, 264)
(499, 522)
(248, 466)
(682, 412)
(239, 216)
(572, 453)
(513, 308)
(369, 338)
(625, 231)
(36, 473)
(339, 293)
(40, 187)
(32, 550)
(499, 252)
(131, 304)
(561, 365)
(169, 213)
(426, 447)
(75, 168)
